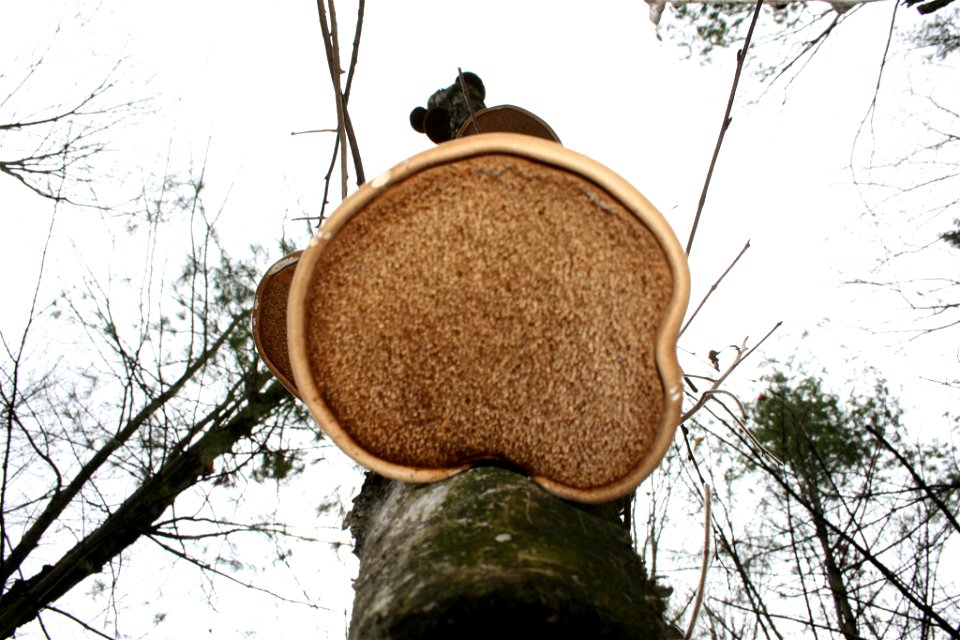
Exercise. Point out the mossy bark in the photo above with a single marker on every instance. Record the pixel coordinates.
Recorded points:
(488, 553)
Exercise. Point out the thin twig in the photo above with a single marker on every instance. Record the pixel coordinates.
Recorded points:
(741, 356)
(351, 135)
(704, 566)
(741, 57)
(331, 46)
(345, 130)
(916, 477)
(342, 114)
(81, 623)
(212, 569)
(297, 133)
(872, 108)
(326, 182)
(356, 50)
(686, 441)
(741, 422)
(714, 287)
(813, 45)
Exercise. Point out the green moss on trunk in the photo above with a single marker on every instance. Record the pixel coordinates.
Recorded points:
(488, 552)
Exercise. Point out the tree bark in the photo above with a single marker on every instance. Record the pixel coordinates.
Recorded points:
(487, 553)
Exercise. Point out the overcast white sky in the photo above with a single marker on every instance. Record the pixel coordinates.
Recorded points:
(240, 76)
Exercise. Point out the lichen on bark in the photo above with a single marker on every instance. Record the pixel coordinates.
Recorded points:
(488, 552)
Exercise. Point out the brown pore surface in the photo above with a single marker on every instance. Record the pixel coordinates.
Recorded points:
(498, 308)
(270, 319)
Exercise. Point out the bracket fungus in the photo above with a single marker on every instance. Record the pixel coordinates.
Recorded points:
(507, 118)
(498, 297)
(269, 325)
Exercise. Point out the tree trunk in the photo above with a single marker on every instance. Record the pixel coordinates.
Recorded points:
(846, 621)
(488, 553)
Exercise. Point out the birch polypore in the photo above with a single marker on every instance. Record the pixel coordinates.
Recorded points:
(497, 297)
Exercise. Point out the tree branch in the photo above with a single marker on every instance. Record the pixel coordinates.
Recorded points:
(135, 516)
(61, 499)
(741, 58)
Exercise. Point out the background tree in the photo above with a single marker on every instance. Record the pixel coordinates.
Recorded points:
(704, 27)
(862, 515)
(852, 525)
(162, 395)
(135, 411)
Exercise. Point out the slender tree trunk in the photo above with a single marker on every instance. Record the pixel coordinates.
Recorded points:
(488, 553)
(846, 621)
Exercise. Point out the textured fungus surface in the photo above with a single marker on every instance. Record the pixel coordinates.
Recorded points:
(493, 308)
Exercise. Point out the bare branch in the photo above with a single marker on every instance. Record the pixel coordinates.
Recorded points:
(137, 513)
(345, 125)
(741, 58)
(742, 354)
(714, 286)
(249, 585)
(701, 587)
(62, 498)
(61, 144)
(81, 623)
(331, 44)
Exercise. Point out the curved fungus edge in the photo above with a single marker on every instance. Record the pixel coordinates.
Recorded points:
(551, 154)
